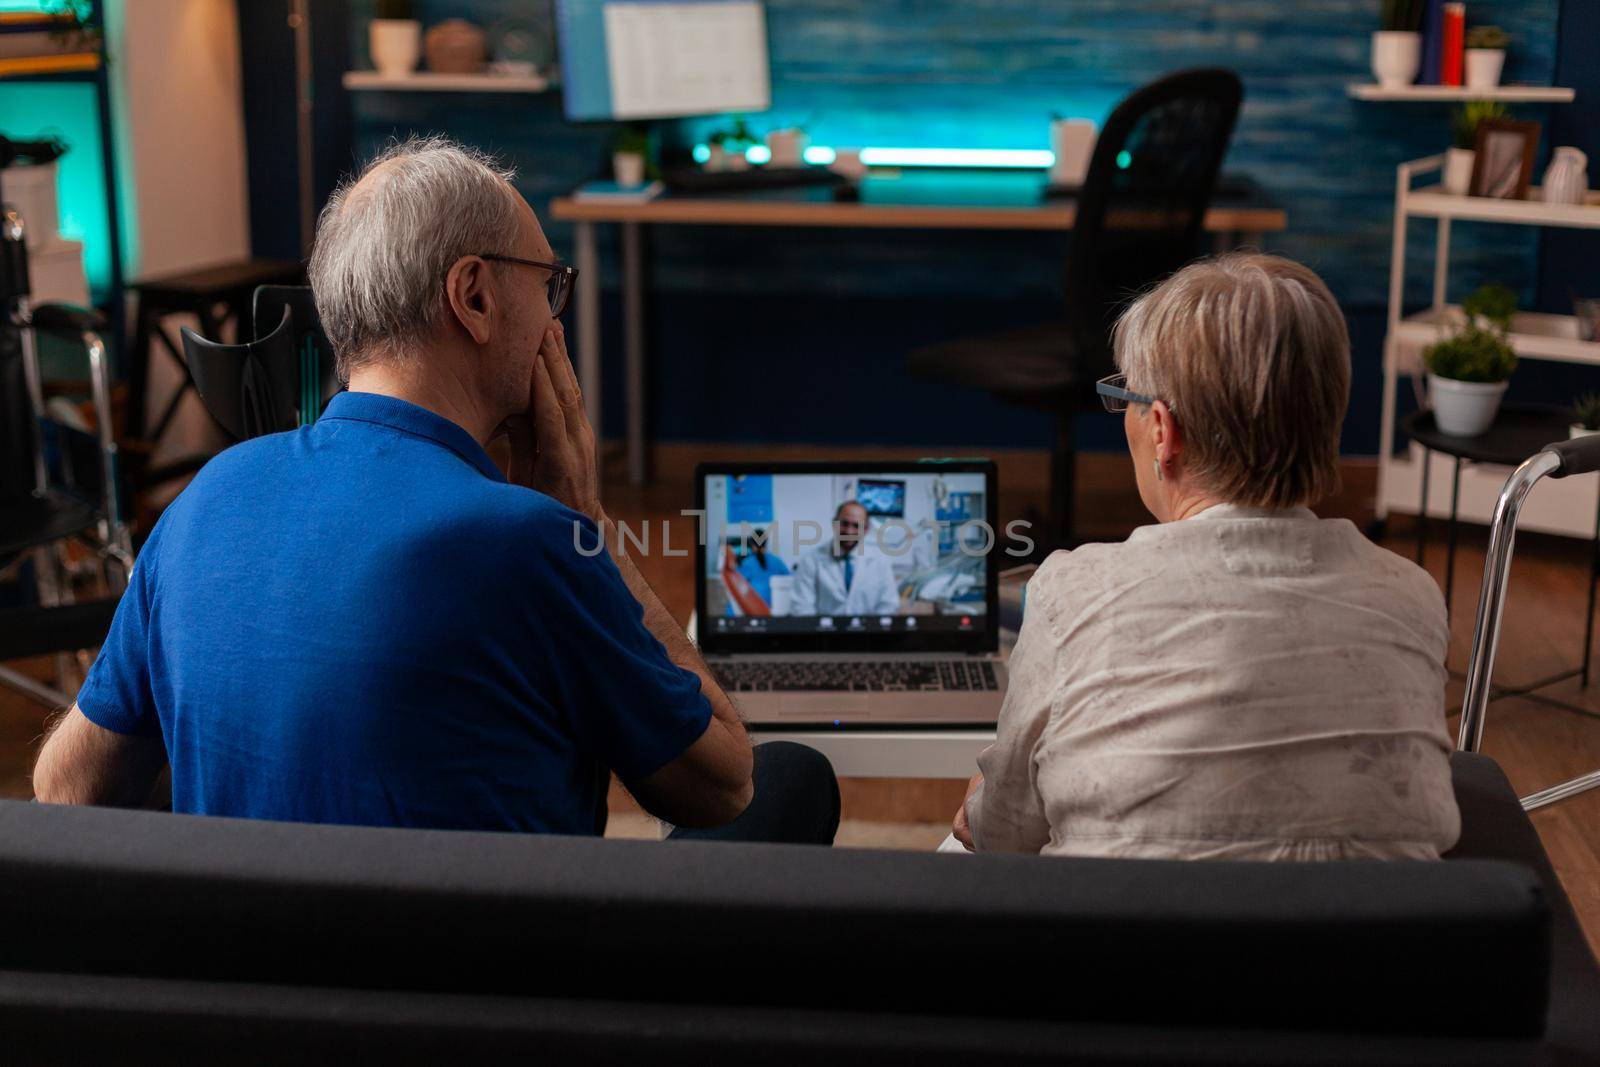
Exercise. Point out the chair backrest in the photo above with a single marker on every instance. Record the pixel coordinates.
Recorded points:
(318, 378)
(277, 382)
(1144, 199)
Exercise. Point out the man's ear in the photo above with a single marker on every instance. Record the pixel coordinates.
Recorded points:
(1165, 436)
(469, 287)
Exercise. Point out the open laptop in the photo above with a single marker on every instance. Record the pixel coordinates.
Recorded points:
(839, 594)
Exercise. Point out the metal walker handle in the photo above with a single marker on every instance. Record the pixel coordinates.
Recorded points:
(1560, 460)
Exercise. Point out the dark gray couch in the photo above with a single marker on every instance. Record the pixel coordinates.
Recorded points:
(133, 936)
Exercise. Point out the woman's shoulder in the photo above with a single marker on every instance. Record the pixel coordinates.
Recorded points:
(1069, 576)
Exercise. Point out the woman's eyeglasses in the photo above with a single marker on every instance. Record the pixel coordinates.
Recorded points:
(558, 289)
(1116, 396)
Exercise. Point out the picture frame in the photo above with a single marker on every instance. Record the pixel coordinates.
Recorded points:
(1502, 159)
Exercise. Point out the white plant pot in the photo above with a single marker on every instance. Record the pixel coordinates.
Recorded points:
(395, 46)
(1396, 57)
(1484, 66)
(1458, 171)
(1575, 431)
(627, 168)
(1464, 409)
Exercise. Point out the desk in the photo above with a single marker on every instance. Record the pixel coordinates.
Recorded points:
(889, 753)
(927, 202)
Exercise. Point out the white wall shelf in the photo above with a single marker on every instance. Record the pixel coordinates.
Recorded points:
(1533, 335)
(1560, 507)
(1511, 94)
(427, 81)
(1433, 202)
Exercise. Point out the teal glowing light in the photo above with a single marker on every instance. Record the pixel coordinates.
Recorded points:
(958, 157)
(985, 158)
(71, 111)
(1124, 159)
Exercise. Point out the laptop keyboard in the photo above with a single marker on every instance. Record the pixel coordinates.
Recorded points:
(856, 675)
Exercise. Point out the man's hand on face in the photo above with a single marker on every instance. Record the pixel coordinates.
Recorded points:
(553, 449)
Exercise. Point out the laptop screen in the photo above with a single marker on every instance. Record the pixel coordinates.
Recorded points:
(812, 557)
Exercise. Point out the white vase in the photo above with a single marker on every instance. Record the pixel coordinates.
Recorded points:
(395, 46)
(1457, 171)
(1566, 179)
(1464, 409)
(1483, 67)
(1396, 57)
(627, 168)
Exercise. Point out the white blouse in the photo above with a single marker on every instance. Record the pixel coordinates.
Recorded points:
(1242, 684)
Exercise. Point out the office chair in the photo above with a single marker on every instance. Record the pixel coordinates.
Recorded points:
(1139, 218)
(57, 482)
(281, 380)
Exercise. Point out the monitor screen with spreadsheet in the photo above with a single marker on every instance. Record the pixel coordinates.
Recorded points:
(644, 59)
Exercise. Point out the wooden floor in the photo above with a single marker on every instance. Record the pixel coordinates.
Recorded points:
(1538, 744)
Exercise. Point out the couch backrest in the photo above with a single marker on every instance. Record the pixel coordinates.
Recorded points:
(1459, 947)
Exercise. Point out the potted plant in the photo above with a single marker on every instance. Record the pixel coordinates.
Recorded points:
(394, 39)
(738, 143)
(1586, 412)
(1464, 124)
(1486, 56)
(717, 149)
(1468, 371)
(630, 151)
(1397, 48)
(1491, 307)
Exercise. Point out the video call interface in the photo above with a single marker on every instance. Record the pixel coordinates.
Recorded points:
(845, 553)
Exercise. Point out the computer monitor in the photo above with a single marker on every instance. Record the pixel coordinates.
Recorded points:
(922, 559)
(652, 59)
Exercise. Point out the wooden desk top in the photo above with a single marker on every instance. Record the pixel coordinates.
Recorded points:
(965, 203)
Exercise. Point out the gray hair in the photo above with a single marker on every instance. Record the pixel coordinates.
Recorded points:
(385, 242)
(1251, 353)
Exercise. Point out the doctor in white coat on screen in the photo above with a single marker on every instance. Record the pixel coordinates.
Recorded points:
(839, 577)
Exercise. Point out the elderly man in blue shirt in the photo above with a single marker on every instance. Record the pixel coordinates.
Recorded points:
(367, 621)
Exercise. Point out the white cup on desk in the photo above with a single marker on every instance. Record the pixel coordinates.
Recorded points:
(788, 147)
(1072, 142)
(847, 162)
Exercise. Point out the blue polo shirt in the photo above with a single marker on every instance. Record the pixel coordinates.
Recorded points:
(363, 622)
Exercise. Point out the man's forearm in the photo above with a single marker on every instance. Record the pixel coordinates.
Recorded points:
(659, 621)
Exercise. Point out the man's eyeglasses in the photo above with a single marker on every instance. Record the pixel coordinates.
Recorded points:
(1116, 396)
(558, 289)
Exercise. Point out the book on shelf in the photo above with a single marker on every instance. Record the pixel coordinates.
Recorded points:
(60, 63)
(1452, 42)
(1432, 42)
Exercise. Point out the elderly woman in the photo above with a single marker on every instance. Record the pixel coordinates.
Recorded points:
(1242, 680)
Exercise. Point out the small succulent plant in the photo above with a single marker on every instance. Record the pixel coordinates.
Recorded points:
(1586, 410)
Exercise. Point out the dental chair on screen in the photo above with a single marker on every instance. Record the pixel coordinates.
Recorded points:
(280, 381)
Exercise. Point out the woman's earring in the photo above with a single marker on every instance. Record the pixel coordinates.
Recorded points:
(1156, 463)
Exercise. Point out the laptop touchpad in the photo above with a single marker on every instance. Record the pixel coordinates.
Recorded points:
(823, 705)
